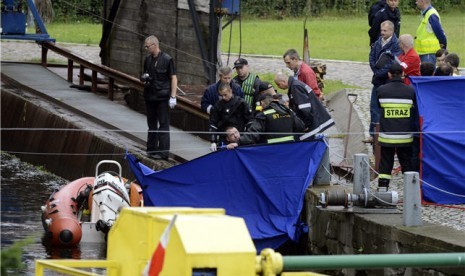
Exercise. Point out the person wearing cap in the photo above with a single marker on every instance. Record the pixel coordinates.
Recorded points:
(397, 124)
(230, 111)
(306, 105)
(302, 71)
(275, 124)
(249, 82)
(211, 95)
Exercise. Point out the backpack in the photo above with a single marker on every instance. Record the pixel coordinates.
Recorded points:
(374, 9)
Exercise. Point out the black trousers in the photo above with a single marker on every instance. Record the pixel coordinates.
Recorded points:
(404, 154)
(158, 121)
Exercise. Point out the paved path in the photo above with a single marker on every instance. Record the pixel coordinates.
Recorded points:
(353, 73)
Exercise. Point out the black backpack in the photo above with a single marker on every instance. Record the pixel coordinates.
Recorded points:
(377, 6)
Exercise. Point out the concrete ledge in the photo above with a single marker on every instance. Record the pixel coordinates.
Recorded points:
(69, 154)
(341, 232)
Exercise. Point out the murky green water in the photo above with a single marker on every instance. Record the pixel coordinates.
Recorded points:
(24, 188)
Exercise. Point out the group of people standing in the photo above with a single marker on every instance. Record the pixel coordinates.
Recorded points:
(253, 110)
(243, 110)
(393, 59)
(246, 110)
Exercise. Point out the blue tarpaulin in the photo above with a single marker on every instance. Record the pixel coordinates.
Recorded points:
(441, 104)
(263, 184)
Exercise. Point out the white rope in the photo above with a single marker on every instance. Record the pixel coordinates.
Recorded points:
(436, 188)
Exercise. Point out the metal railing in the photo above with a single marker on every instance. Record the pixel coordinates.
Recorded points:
(112, 74)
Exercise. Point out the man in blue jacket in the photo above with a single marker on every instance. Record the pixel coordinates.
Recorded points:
(381, 58)
(211, 95)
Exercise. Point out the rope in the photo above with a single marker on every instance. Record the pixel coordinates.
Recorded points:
(438, 189)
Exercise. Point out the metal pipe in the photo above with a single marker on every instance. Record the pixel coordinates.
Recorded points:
(292, 263)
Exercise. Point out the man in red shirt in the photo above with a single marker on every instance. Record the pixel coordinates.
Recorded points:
(409, 59)
(302, 71)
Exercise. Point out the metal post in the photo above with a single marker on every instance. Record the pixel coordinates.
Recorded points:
(361, 173)
(70, 70)
(412, 200)
(81, 74)
(323, 174)
(44, 56)
(376, 148)
(94, 81)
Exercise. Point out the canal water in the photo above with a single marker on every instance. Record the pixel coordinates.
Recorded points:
(24, 188)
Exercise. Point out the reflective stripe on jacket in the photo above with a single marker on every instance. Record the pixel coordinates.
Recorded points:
(396, 100)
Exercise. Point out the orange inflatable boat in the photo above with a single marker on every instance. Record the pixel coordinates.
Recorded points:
(91, 201)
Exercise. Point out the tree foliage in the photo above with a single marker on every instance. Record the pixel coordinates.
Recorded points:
(78, 10)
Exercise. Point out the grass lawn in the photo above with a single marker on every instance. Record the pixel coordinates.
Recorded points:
(82, 33)
(339, 38)
(330, 85)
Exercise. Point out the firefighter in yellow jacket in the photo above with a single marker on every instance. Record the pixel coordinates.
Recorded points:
(397, 124)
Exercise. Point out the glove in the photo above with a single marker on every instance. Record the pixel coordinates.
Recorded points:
(213, 147)
(172, 102)
(389, 53)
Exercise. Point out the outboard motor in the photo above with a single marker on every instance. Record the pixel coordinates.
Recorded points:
(109, 197)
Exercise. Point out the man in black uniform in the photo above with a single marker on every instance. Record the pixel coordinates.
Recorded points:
(275, 124)
(390, 12)
(160, 94)
(397, 124)
(230, 111)
(306, 105)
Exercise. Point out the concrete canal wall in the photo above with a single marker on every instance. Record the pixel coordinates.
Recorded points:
(338, 231)
(63, 143)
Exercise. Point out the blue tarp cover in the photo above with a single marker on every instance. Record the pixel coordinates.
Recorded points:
(263, 184)
(441, 103)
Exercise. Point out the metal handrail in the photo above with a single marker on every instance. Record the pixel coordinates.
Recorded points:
(112, 74)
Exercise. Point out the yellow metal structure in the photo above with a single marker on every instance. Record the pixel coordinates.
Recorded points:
(200, 239)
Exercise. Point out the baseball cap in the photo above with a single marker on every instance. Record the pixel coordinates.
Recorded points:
(240, 62)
